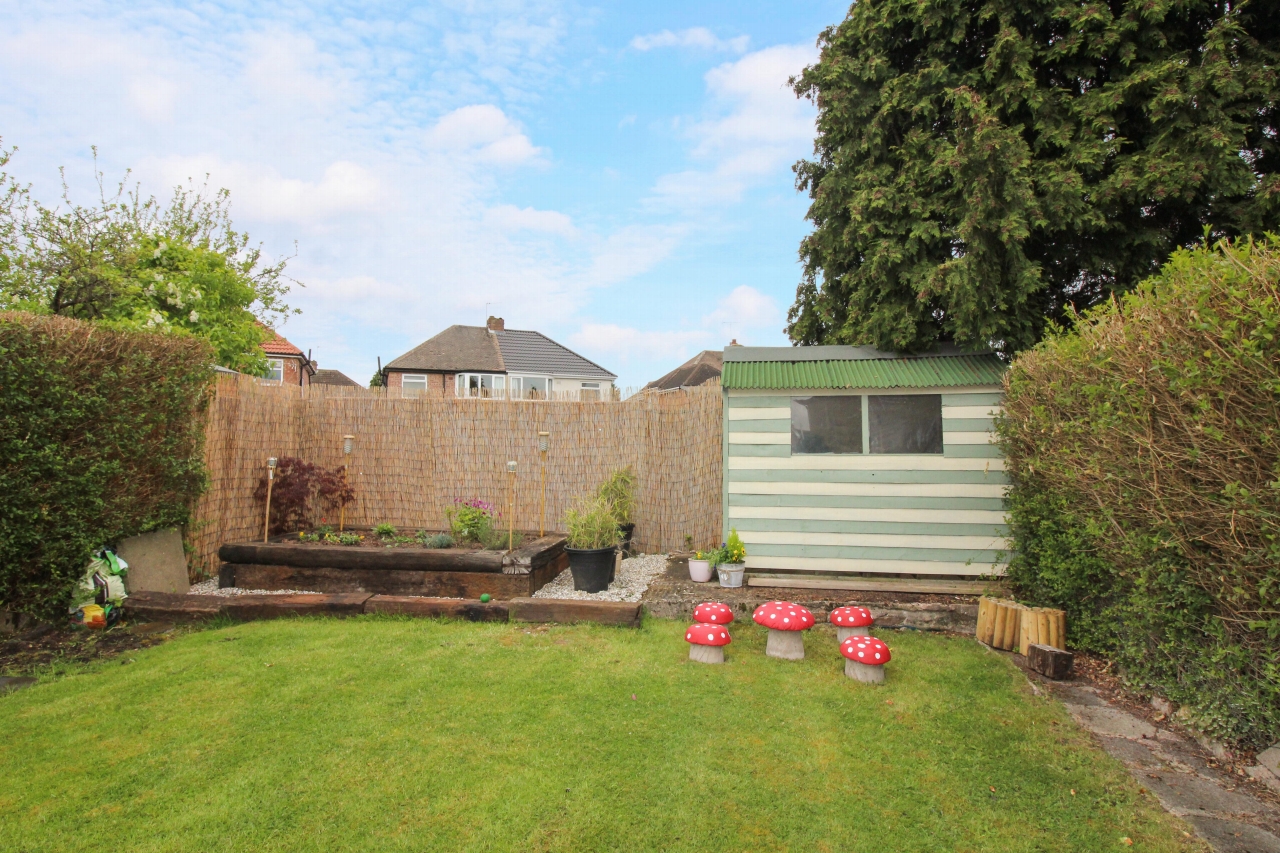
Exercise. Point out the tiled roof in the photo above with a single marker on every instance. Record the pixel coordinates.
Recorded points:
(534, 352)
(698, 370)
(456, 348)
(333, 377)
(855, 367)
(464, 348)
(277, 345)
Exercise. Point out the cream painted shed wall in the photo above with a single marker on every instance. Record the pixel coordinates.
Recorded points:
(917, 514)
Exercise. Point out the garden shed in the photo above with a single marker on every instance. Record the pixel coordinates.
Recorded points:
(844, 463)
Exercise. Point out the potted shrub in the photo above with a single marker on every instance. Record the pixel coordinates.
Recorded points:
(619, 492)
(593, 538)
(732, 563)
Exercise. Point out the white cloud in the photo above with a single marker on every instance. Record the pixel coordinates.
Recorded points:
(261, 192)
(484, 133)
(632, 250)
(508, 217)
(695, 37)
(760, 128)
(743, 311)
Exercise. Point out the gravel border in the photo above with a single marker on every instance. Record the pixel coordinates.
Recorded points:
(630, 584)
(210, 587)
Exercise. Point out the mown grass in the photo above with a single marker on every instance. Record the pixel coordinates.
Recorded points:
(389, 734)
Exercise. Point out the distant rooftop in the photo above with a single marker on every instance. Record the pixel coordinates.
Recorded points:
(496, 349)
(702, 368)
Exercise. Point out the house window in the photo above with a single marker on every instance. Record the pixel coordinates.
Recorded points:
(826, 424)
(416, 382)
(480, 385)
(275, 370)
(906, 423)
(530, 387)
(590, 392)
(895, 423)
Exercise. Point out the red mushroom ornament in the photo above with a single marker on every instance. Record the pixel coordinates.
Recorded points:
(851, 621)
(707, 642)
(713, 612)
(865, 658)
(785, 621)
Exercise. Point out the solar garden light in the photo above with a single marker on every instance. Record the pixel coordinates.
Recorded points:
(511, 506)
(346, 451)
(271, 475)
(544, 443)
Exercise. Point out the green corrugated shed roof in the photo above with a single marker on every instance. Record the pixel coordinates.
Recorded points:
(920, 372)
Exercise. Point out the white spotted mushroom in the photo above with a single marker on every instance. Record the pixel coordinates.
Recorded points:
(714, 612)
(851, 621)
(706, 642)
(785, 622)
(865, 658)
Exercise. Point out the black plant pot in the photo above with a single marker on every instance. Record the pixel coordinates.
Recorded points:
(592, 568)
(627, 531)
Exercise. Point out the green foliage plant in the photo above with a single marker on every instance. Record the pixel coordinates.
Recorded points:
(619, 492)
(472, 520)
(133, 263)
(384, 530)
(435, 540)
(591, 525)
(101, 438)
(733, 551)
(983, 169)
(1143, 450)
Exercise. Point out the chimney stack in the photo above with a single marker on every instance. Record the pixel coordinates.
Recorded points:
(495, 324)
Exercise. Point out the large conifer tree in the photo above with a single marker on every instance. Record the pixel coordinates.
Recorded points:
(982, 168)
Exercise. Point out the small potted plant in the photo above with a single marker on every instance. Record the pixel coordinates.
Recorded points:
(619, 492)
(592, 544)
(700, 565)
(732, 564)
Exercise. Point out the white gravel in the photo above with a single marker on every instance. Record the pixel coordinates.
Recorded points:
(210, 587)
(631, 582)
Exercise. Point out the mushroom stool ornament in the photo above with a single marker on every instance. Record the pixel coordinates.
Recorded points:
(713, 612)
(851, 621)
(866, 657)
(707, 642)
(785, 621)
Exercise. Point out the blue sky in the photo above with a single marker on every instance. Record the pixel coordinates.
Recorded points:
(615, 175)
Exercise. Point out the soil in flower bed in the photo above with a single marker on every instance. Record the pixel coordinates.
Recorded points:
(405, 541)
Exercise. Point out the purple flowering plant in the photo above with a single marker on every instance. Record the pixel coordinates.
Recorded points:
(472, 519)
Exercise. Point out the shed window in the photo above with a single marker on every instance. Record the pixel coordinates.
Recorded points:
(906, 423)
(826, 424)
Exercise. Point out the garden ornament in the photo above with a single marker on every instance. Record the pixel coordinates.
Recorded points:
(714, 612)
(865, 658)
(785, 621)
(850, 621)
(707, 642)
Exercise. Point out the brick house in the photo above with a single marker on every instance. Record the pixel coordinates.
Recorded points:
(286, 364)
(494, 361)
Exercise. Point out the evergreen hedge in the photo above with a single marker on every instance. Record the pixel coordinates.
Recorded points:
(1144, 453)
(101, 438)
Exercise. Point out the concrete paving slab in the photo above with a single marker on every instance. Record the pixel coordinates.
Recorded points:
(1231, 836)
(1112, 722)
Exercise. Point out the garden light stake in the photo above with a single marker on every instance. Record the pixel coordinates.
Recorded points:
(511, 507)
(543, 443)
(346, 452)
(271, 475)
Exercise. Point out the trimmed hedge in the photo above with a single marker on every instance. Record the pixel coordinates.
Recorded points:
(101, 438)
(1144, 453)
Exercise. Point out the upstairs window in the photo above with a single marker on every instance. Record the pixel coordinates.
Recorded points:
(877, 424)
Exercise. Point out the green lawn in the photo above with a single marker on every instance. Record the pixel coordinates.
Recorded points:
(388, 734)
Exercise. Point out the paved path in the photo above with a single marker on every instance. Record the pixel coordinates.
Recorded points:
(1223, 812)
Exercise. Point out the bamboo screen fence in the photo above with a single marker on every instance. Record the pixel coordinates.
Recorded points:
(414, 456)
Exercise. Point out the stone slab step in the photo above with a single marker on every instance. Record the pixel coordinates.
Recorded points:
(567, 610)
(465, 608)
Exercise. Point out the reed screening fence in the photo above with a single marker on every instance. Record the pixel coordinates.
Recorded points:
(414, 456)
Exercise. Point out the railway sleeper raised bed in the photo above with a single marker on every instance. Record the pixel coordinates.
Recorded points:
(442, 572)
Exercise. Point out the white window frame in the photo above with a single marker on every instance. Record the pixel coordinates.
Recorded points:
(275, 370)
(420, 382)
(590, 392)
(497, 385)
(522, 383)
